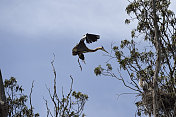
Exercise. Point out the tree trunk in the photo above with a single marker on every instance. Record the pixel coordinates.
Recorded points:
(157, 67)
(3, 106)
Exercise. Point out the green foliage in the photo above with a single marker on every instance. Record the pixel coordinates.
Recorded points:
(115, 48)
(79, 95)
(140, 63)
(124, 43)
(98, 70)
(133, 33)
(127, 21)
(66, 105)
(16, 100)
(109, 67)
(70, 105)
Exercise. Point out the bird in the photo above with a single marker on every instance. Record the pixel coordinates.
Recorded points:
(143, 84)
(81, 47)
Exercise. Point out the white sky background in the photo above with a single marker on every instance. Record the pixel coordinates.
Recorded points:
(31, 30)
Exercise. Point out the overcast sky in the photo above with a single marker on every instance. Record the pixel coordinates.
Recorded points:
(32, 30)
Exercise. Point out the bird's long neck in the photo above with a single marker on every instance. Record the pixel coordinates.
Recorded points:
(93, 50)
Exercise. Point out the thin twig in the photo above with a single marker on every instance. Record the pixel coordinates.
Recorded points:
(118, 95)
(30, 98)
(48, 110)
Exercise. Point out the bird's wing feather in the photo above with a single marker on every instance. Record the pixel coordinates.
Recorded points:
(82, 46)
(90, 38)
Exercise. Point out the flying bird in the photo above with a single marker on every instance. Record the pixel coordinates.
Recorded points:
(81, 47)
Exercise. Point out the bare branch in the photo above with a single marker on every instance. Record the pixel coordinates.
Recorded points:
(30, 98)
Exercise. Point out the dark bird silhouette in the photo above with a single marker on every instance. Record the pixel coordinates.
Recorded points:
(81, 47)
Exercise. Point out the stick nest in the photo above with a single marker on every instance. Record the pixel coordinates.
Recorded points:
(166, 103)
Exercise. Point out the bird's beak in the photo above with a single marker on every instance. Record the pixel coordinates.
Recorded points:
(104, 50)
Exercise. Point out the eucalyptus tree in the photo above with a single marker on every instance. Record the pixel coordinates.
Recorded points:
(150, 61)
(14, 103)
(69, 104)
(17, 101)
(3, 104)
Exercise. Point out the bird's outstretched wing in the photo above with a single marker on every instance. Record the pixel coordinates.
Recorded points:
(90, 38)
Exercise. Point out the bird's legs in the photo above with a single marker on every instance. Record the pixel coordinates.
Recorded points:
(79, 64)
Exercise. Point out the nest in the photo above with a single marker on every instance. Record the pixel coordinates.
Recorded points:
(166, 102)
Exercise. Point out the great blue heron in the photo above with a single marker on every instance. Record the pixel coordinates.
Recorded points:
(81, 47)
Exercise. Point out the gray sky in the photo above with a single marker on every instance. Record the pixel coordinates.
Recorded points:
(32, 30)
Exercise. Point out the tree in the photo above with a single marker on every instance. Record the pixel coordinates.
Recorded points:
(67, 105)
(16, 104)
(17, 101)
(154, 65)
(158, 60)
(3, 104)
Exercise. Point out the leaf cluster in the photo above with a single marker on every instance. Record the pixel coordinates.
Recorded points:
(16, 100)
